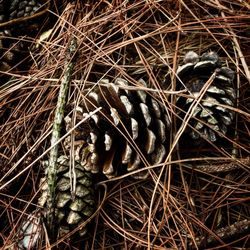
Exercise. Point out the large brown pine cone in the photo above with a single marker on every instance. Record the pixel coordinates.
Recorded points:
(128, 133)
(212, 116)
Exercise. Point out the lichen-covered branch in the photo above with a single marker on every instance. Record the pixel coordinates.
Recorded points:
(240, 228)
(221, 167)
(56, 131)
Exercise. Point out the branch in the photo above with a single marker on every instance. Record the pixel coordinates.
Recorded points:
(56, 132)
(224, 166)
(232, 232)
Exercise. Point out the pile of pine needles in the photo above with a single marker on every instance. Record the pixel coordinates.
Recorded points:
(198, 198)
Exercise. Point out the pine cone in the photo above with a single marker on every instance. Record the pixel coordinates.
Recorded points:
(2, 11)
(128, 133)
(70, 211)
(11, 51)
(211, 117)
(13, 9)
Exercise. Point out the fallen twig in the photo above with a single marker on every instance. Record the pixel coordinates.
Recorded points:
(223, 166)
(225, 233)
(56, 132)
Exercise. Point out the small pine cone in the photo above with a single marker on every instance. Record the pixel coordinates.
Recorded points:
(71, 209)
(2, 11)
(129, 132)
(11, 51)
(21, 8)
(14, 9)
(211, 117)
